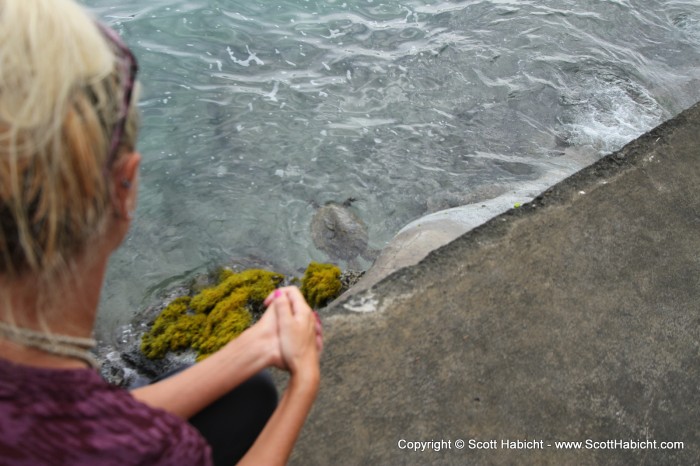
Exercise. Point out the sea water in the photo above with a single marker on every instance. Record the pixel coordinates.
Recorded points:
(257, 112)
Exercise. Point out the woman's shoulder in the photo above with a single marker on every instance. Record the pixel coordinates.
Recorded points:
(76, 416)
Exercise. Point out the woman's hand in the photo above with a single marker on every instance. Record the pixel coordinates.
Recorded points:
(266, 329)
(299, 329)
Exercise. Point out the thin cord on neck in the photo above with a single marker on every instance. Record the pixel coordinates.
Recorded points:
(59, 345)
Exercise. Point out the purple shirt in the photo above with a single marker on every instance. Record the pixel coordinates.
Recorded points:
(74, 417)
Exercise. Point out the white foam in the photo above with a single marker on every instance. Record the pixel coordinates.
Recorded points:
(615, 112)
(251, 57)
(362, 303)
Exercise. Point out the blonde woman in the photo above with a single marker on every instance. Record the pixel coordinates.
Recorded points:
(68, 186)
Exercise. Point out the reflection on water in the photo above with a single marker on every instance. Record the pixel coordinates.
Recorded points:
(257, 111)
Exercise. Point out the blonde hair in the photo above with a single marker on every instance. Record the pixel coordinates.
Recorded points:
(60, 99)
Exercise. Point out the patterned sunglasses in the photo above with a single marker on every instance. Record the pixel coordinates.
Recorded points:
(127, 69)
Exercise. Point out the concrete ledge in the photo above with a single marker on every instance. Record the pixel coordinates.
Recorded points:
(574, 317)
(414, 241)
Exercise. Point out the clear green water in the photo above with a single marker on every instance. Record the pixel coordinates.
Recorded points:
(255, 111)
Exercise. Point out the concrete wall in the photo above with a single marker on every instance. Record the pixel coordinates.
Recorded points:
(574, 317)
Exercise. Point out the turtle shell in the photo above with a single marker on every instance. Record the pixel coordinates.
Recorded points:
(339, 232)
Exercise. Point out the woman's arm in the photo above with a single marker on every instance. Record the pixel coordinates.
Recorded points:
(188, 392)
(275, 443)
(288, 336)
(300, 346)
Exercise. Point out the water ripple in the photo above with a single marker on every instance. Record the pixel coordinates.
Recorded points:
(254, 111)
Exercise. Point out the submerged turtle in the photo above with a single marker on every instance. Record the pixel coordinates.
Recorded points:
(340, 233)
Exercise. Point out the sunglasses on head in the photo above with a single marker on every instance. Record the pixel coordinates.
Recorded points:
(127, 69)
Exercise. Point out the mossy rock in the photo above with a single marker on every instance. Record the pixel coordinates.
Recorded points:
(217, 314)
(321, 284)
(213, 317)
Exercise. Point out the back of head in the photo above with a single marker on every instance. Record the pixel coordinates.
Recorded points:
(59, 104)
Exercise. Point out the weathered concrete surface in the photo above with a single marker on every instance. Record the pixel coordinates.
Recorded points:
(574, 317)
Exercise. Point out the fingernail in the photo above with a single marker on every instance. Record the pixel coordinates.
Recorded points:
(278, 293)
(318, 319)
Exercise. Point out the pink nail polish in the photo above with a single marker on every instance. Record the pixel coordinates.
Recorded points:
(277, 294)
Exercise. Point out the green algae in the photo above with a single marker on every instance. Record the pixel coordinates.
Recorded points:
(166, 333)
(321, 284)
(216, 315)
(211, 318)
